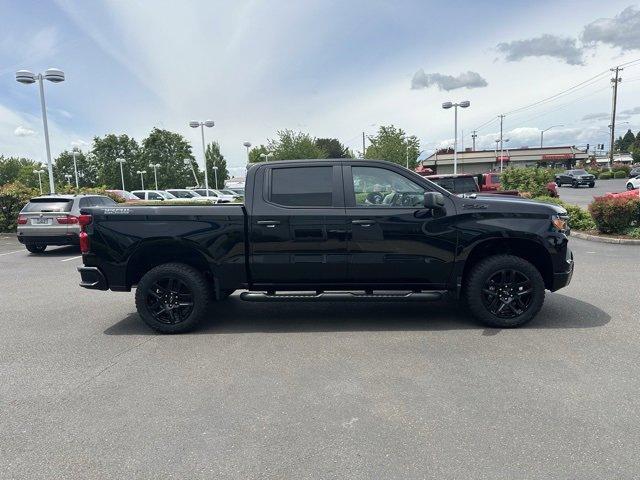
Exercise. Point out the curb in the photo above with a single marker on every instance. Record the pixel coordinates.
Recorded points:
(597, 238)
(8, 234)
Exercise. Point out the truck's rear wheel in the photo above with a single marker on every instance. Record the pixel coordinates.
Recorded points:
(504, 291)
(172, 298)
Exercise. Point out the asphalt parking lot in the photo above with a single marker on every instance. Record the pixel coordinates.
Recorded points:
(583, 196)
(276, 391)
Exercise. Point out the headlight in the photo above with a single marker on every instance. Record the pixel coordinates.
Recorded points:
(560, 222)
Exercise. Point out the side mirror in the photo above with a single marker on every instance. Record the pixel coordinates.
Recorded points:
(433, 200)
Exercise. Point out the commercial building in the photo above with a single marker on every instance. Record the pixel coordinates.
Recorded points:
(481, 161)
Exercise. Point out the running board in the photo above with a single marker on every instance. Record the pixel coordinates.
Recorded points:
(342, 296)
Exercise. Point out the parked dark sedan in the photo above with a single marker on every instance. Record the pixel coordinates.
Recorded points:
(575, 178)
(634, 172)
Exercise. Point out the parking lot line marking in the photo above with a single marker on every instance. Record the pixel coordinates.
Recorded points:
(9, 253)
(72, 258)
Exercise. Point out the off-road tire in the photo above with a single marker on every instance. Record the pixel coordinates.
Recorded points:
(193, 281)
(479, 276)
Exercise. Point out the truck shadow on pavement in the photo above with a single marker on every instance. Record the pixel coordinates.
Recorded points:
(237, 316)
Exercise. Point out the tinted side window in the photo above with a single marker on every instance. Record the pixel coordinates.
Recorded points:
(86, 202)
(155, 196)
(302, 186)
(380, 187)
(105, 201)
(140, 195)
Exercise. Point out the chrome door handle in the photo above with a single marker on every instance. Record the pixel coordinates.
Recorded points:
(268, 223)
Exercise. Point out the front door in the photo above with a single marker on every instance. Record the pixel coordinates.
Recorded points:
(298, 229)
(394, 239)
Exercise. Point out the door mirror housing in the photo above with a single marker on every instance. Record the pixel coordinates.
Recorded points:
(433, 200)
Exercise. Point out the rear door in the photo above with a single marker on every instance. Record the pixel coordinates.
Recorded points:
(396, 241)
(298, 227)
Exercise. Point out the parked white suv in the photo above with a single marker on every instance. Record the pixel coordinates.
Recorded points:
(184, 194)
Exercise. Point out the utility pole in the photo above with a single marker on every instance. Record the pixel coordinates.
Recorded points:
(615, 82)
(363, 147)
(474, 135)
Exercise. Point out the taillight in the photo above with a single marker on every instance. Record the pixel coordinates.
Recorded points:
(84, 242)
(84, 220)
(22, 220)
(67, 220)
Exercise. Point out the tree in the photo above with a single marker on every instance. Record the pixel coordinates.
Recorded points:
(18, 169)
(216, 159)
(87, 169)
(333, 148)
(635, 149)
(624, 143)
(292, 145)
(393, 145)
(255, 152)
(104, 153)
(169, 150)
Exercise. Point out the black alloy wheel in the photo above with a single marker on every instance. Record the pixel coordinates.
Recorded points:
(170, 300)
(507, 293)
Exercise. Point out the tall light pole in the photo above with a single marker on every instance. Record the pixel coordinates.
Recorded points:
(208, 124)
(39, 172)
(548, 128)
(447, 105)
(121, 161)
(141, 173)
(248, 145)
(215, 173)
(75, 165)
(155, 167)
(53, 75)
(187, 161)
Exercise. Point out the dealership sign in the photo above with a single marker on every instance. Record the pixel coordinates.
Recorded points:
(558, 156)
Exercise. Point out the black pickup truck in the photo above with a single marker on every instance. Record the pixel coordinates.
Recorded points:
(313, 230)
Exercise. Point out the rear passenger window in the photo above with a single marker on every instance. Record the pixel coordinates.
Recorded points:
(302, 186)
(86, 202)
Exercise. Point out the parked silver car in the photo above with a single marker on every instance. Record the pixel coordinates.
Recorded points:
(53, 219)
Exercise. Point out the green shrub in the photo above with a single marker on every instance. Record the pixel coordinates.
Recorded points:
(621, 167)
(13, 196)
(620, 174)
(579, 219)
(606, 176)
(633, 232)
(594, 171)
(530, 180)
(615, 214)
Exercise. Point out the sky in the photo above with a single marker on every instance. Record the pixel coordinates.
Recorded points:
(328, 68)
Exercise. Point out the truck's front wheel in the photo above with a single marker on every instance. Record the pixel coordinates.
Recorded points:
(504, 291)
(172, 298)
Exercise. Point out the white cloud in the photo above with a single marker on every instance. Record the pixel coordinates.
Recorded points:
(631, 111)
(622, 31)
(563, 48)
(596, 116)
(447, 82)
(21, 131)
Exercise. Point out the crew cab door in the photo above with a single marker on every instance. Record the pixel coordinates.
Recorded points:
(298, 229)
(394, 239)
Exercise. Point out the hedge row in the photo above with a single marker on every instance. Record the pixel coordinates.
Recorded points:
(617, 215)
(579, 219)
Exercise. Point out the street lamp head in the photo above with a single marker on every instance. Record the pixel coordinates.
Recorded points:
(465, 103)
(446, 105)
(247, 144)
(121, 160)
(209, 123)
(194, 124)
(54, 75)
(25, 76)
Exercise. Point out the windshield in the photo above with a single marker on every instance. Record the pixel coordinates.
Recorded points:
(166, 195)
(580, 172)
(228, 192)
